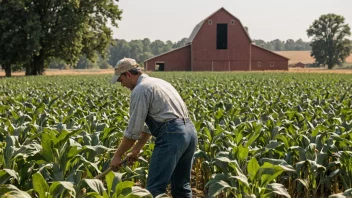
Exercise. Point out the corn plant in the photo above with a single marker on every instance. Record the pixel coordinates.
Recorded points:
(260, 134)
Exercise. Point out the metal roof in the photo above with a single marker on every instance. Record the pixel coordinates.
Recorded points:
(269, 51)
(195, 31)
(167, 52)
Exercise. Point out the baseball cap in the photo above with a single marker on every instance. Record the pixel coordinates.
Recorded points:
(122, 66)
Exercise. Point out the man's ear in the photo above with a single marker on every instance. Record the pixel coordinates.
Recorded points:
(128, 74)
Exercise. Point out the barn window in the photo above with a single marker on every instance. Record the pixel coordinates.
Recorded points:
(210, 22)
(232, 22)
(272, 64)
(221, 36)
(259, 64)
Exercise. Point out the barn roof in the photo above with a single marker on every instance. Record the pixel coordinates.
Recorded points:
(195, 31)
(199, 25)
(167, 52)
(269, 51)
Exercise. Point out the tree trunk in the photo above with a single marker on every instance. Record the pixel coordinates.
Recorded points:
(7, 70)
(28, 69)
(36, 66)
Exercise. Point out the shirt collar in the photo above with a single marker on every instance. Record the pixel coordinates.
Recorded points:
(141, 78)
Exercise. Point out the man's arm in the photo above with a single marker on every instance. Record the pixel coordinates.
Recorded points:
(133, 155)
(143, 138)
(125, 145)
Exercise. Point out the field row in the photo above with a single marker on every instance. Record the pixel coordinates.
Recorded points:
(260, 135)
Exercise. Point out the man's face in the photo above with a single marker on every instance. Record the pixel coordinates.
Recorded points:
(126, 80)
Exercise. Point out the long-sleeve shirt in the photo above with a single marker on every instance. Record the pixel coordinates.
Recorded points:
(156, 98)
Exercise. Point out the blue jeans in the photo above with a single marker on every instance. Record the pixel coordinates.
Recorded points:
(171, 161)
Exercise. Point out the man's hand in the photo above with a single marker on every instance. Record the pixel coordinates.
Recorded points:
(125, 145)
(115, 163)
(132, 156)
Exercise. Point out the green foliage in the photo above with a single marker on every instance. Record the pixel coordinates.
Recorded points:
(346, 194)
(288, 45)
(84, 63)
(330, 44)
(260, 134)
(141, 50)
(57, 64)
(9, 191)
(19, 34)
(41, 30)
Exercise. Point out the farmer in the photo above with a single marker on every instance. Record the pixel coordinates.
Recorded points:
(158, 104)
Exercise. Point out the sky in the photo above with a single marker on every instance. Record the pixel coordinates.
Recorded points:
(265, 19)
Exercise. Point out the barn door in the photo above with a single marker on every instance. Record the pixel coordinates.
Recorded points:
(159, 66)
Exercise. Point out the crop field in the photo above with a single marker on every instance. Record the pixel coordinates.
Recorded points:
(264, 134)
(303, 56)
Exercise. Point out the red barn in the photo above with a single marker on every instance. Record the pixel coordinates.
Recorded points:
(218, 43)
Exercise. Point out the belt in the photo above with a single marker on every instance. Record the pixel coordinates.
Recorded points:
(185, 120)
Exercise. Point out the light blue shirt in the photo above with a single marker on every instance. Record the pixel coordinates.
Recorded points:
(156, 98)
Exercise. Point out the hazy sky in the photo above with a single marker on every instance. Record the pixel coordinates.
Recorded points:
(265, 19)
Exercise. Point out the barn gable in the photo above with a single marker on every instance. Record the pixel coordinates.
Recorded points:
(200, 24)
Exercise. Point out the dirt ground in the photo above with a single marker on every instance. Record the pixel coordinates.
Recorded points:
(111, 71)
(303, 56)
(319, 70)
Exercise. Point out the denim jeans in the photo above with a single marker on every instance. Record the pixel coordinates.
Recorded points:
(172, 158)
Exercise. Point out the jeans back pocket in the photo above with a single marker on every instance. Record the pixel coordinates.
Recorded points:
(175, 127)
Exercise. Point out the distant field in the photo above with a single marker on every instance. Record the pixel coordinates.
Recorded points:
(294, 56)
(54, 72)
(111, 71)
(302, 56)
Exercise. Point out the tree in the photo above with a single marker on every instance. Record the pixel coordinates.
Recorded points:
(146, 45)
(301, 45)
(330, 45)
(118, 51)
(157, 47)
(181, 43)
(143, 57)
(85, 63)
(168, 46)
(136, 49)
(260, 43)
(290, 45)
(278, 45)
(19, 32)
(56, 29)
(57, 64)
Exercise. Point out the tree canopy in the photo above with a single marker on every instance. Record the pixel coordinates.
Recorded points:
(19, 34)
(330, 45)
(141, 50)
(33, 32)
(288, 45)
